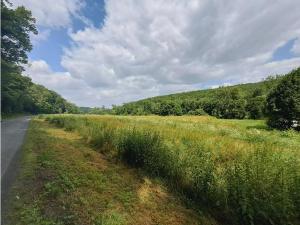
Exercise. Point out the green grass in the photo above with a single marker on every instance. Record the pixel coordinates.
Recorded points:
(237, 169)
(111, 218)
(64, 181)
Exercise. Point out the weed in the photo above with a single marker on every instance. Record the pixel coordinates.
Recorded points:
(111, 218)
(73, 184)
(138, 147)
(252, 176)
(32, 215)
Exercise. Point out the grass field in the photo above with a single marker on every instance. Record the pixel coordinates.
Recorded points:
(235, 171)
(64, 181)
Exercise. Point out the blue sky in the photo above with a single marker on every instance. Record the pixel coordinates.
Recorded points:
(285, 51)
(104, 52)
(51, 49)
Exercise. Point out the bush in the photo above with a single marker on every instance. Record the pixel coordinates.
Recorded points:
(256, 107)
(197, 112)
(229, 104)
(170, 108)
(283, 103)
(58, 121)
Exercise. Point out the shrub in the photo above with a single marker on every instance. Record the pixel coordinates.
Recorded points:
(197, 112)
(283, 103)
(59, 121)
(229, 104)
(256, 107)
(170, 108)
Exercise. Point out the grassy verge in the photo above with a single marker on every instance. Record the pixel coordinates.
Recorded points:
(240, 170)
(63, 181)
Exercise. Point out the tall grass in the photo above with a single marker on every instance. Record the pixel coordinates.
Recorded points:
(247, 176)
(139, 148)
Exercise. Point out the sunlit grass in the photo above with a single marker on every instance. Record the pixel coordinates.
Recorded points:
(65, 181)
(240, 167)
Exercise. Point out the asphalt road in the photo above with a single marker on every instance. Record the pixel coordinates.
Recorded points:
(12, 135)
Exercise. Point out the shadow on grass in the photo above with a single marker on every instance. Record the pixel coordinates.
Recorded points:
(259, 127)
(136, 190)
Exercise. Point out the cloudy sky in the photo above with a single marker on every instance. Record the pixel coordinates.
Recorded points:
(97, 52)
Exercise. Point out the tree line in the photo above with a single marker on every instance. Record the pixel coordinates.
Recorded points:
(276, 99)
(18, 93)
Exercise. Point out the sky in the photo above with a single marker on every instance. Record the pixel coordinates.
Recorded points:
(104, 52)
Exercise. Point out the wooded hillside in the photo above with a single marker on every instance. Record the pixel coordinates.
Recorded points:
(18, 93)
(238, 101)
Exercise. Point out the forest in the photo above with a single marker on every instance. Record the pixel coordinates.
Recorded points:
(18, 93)
(276, 99)
(232, 102)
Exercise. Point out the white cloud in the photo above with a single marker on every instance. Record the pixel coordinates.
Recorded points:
(222, 85)
(52, 13)
(147, 48)
(42, 36)
(61, 82)
(41, 73)
(296, 47)
(78, 91)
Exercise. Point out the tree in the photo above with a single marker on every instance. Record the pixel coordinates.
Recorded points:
(170, 108)
(197, 112)
(255, 106)
(257, 92)
(229, 104)
(16, 26)
(18, 93)
(283, 102)
(189, 106)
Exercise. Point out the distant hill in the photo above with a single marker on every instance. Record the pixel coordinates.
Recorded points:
(244, 89)
(95, 110)
(85, 109)
(238, 101)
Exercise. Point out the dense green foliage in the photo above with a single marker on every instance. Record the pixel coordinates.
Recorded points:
(237, 169)
(276, 98)
(16, 25)
(96, 110)
(18, 93)
(283, 103)
(239, 102)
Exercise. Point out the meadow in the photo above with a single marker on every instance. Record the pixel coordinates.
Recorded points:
(64, 181)
(238, 169)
